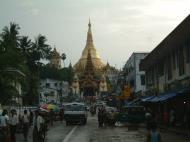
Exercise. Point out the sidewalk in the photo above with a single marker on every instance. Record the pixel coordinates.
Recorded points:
(176, 130)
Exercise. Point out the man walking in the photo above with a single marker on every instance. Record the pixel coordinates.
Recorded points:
(25, 125)
(13, 121)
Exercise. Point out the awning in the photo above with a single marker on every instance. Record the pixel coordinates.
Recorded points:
(162, 98)
(147, 98)
(134, 102)
(167, 96)
(154, 99)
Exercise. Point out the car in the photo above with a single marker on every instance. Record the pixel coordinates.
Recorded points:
(100, 103)
(75, 113)
(110, 109)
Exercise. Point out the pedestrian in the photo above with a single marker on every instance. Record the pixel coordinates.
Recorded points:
(100, 118)
(153, 135)
(112, 118)
(148, 118)
(166, 118)
(4, 128)
(61, 115)
(172, 117)
(26, 121)
(38, 122)
(105, 118)
(13, 121)
(20, 122)
(31, 117)
(52, 115)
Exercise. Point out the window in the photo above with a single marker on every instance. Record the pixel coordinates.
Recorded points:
(142, 79)
(47, 85)
(55, 84)
(181, 62)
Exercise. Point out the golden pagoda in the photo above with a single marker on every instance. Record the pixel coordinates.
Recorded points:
(55, 60)
(96, 60)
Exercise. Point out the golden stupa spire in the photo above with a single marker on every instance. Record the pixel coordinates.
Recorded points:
(89, 48)
(89, 41)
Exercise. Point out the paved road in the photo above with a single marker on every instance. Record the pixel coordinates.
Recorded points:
(91, 133)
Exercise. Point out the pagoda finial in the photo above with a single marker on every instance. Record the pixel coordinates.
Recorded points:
(89, 41)
(89, 24)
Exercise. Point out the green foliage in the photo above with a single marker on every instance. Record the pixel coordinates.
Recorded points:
(65, 74)
(20, 53)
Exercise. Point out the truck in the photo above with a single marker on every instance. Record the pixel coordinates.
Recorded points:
(75, 113)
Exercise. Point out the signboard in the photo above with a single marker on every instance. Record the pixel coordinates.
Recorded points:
(126, 92)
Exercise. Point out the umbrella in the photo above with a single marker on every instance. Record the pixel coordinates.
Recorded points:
(44, 106)
(53, 107)
(43, 110)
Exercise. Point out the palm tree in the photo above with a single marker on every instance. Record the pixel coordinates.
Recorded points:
(10, 57)
(9, 47)
(10, 35)
(34, 52)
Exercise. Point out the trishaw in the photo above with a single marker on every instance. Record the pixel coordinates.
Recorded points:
(131, 115)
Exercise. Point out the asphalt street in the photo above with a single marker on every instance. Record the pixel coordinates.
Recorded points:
(91, 133)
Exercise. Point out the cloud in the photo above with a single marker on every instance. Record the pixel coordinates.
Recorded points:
(35, 11)
(29, 6)
(26, 3)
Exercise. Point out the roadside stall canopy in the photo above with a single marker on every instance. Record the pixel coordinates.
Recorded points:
(147, 98)
(165, 96)
(162, 98)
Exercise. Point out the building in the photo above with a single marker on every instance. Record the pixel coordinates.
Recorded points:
(96, 60)
(55, 59)
(15, 85)
(167, 71)
(53, 91)
(167, 67)
(133, 76)
(111, 73)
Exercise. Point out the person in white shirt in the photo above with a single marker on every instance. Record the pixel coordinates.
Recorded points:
(13, 121)
(4, 131)
(25, 119)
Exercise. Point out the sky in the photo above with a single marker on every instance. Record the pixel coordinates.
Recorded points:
(119, 27)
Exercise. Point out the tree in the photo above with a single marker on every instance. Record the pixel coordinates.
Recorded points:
(10, 55)
(10, 58)
(34, 52)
